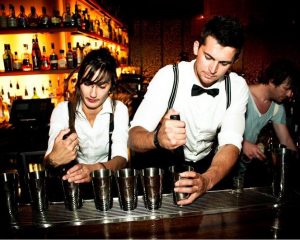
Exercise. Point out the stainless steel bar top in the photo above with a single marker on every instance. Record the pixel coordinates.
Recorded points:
(210, 203)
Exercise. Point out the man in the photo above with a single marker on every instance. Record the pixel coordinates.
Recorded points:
(264, 105)
(201, 115)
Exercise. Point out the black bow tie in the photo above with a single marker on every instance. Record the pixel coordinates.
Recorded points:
(197, 90)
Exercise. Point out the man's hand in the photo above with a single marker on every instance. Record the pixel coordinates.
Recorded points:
(172, 133)
(191, 182)
(253, 151)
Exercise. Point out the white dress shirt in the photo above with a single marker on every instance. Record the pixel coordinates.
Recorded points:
(93, 141)
(202, 114)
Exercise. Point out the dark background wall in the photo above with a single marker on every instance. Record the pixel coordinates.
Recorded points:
(160, 30)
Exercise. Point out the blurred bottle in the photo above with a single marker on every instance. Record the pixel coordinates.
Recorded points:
(56, 19)
(17, 63)
(79, 54)
(85, 23)
(68, 20)
(62, 61)
(77, 17)
(87, 48)
(36, 54)
(22, 18)
(35, 95)
(7, 58)
(44, 20)
(70, 57)
(33, 19)
(3, 17)
(45, 63)
(26, 65)
(11, 19)
(53, 58)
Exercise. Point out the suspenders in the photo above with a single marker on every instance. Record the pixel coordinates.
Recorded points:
(111, 129)
(175, 86)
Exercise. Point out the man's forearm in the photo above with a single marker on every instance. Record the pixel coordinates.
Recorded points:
(140, 140)
(221, 164)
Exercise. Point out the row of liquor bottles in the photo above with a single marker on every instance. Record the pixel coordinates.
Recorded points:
(40, 60)
(51, 88)
(102, 26)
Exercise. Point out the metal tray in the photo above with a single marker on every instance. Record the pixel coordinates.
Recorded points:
(210, 203)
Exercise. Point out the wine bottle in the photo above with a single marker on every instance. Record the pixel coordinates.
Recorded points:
(7, 58)
(11, 19)
(22, 18)
(53, 58)
(33, 19)
(44, 20)
(70, 57)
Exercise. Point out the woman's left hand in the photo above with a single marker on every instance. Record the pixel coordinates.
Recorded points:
(80, 173)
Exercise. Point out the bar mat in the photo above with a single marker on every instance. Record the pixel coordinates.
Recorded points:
(210, 203)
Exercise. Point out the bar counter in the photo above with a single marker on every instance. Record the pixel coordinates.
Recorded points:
(255, 213)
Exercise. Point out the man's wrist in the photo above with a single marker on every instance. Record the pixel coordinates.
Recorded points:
(155, 139)
(51, 162)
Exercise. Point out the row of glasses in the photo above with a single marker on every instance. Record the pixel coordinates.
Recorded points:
(126, 180)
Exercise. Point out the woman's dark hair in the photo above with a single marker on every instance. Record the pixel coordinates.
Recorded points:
(226, 30)
(279, 71)
(97, 67)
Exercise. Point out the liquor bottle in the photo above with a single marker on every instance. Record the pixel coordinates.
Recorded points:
(7, 58)
(79, 54)
(68, 19)
(85, 25)
(3, 17)
(86, 49)
(70, 57)
(35, 95)
(22, 18)
(45, 63)
(179, 158)
(11, 19)
(62, 61)
(36, 54)
(77, 17)
(53, 58)
(56, 19)
(33, 19)
(26, 65)
(17, 63)
(75, 56)
(44, 20)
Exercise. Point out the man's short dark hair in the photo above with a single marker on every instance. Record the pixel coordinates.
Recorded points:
(227, 30)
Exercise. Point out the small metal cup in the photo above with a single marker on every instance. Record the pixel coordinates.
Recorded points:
(38, 190)
(175, 171)
(72, 195)
(102, 186)
(127, 188)
(151, 179)
(8, 194)
(281, 171)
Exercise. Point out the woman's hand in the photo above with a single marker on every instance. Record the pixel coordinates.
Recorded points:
(81, 173)
(64, 150)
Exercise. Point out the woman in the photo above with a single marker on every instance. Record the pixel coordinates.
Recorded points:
(93, 111)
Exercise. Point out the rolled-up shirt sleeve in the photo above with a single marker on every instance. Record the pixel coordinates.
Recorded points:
(233, 123)
(120, 133)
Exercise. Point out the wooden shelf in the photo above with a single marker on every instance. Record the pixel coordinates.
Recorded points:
(37, 30)
(21, 73)
(72, 30)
